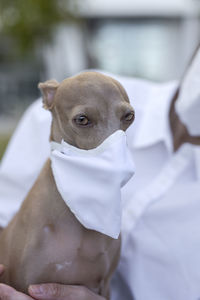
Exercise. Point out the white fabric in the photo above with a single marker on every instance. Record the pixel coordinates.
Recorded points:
(90, 181)
(160, 256)
(160, 224)
(155, 190)
(26, 153)
(160, 252)
(188, 103)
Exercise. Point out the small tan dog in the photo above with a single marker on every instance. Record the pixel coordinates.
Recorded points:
(44, 234)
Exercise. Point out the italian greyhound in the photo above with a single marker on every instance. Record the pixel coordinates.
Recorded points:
(45, 242)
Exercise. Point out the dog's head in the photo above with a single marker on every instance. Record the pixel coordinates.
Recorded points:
(86, 108)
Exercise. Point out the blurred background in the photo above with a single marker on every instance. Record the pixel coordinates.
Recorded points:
(44, 39)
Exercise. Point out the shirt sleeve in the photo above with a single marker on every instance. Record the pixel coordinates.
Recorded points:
(26, 153)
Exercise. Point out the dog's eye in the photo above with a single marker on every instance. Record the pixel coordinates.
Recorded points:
(82, 120)
(130, 116)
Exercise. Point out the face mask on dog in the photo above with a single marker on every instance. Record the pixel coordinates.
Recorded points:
(90, 181)
(188, 103)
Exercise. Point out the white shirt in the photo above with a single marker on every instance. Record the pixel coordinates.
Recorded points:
(160, 255)
(161, 225)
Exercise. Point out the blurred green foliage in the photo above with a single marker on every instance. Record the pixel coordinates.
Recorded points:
(30, 21)
(4, 139)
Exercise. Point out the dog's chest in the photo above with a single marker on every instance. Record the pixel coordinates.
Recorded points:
(70, 255)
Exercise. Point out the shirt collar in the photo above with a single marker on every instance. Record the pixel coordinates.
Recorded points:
(154, 125)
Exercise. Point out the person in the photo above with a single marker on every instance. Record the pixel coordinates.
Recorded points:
(160, 253)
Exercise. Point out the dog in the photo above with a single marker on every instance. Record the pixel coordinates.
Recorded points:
(44, 242)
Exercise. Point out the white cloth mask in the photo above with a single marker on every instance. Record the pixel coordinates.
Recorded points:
(90, 181)
(188, 103)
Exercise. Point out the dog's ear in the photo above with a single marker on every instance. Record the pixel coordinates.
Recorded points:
(48, 89)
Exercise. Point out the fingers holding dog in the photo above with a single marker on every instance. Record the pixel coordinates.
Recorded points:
(8, 293)
(62, 292)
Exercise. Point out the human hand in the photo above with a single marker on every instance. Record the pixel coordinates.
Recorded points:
(52, 291)
(8, 293)
(48, 291)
